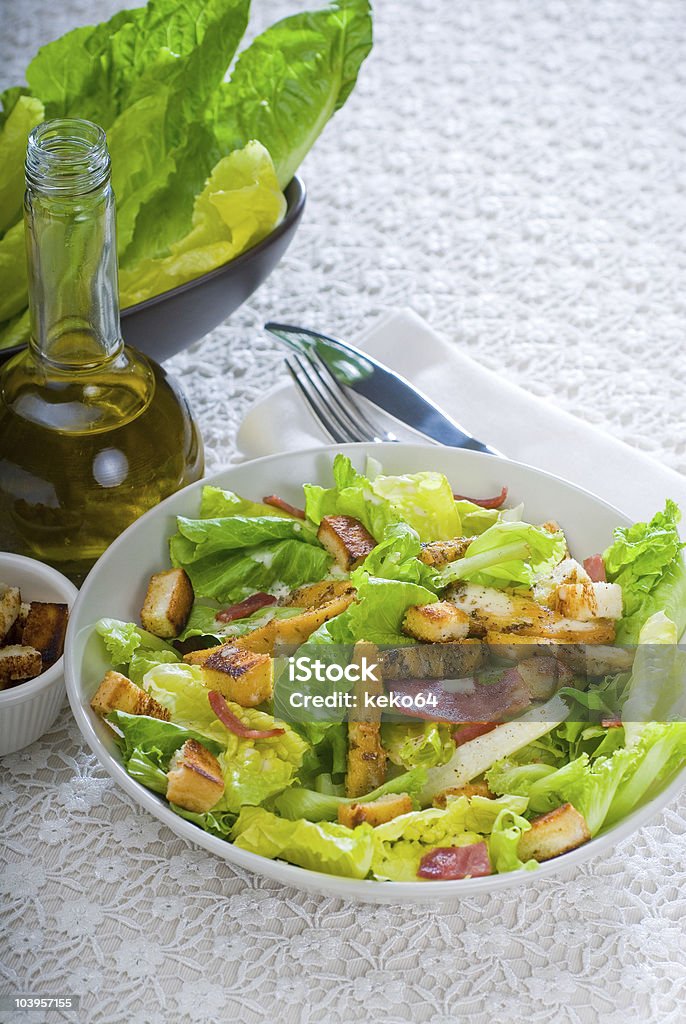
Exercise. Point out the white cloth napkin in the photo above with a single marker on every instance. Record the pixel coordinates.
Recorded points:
(520, 425)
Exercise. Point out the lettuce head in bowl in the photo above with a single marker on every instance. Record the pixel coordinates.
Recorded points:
(203, 168)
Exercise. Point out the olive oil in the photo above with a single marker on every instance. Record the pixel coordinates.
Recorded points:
(92, 433)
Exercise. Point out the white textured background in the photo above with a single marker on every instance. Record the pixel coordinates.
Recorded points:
(514, 170)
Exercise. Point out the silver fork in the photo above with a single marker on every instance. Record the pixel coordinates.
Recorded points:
(332, 405)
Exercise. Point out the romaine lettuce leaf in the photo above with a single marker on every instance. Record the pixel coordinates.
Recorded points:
(378, 613)
(605, 788)
(401, 843)
(319, 846)
(417, 743)
(158, 739)
(13, 296)
(143, 660)
(217, 823)
(504, 840)
(291, 79)
(646, 560)
(25, 115)
(217, 503)
(423, 501)
(298, 802)
(395, 557)
(231, 575)
(122, 639)
(508, 554)
(240, 205)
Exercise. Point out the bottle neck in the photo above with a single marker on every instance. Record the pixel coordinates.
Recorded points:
(71, 246)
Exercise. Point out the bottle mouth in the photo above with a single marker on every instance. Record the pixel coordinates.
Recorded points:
(67, 155)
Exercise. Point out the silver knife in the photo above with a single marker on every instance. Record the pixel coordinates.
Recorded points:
(381, 386)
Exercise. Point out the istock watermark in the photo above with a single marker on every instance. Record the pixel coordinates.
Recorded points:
(466, 682)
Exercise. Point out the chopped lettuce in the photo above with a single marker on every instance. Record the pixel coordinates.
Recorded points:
(402, 842)
(646, 560)
(254, 769)
(426, 744)
(508, 554)
(605, 788)
(319, 846)
(217, 503)
(423, 501)
(298, 802)
(503, 842)
(229, 557)
(396, 557)
(378, 613)
(122, 639)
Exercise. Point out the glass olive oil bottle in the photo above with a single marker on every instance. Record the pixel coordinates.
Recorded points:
(92, 433)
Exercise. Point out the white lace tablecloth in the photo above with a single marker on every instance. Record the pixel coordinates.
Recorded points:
(514, 170)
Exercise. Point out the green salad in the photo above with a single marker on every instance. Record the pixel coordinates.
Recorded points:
(509, 721)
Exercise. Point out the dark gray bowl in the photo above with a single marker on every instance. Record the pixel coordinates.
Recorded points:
(172, 321)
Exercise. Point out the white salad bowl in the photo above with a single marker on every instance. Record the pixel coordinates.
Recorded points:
(117, 584)
(28, 710)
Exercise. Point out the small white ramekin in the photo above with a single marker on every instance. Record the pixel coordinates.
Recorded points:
(29, 709)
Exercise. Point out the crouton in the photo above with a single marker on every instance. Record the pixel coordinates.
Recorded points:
(515, 647)
(18, 663)
(470, 789)
(346, 539)
(168, 603)
(438, 622)
(440, 552)
(495, 611)
(367, 758)
(242, 676)
(609, 600)
(575, 601)
(376, 812)
(554, 833)
(45, 628)
(200, 657)
(295, 630)
(313, 595)
(15, 634)
(195, 778)
(117, 693)
(10, 605)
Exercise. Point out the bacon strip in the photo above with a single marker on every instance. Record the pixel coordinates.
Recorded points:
(612, 723)
(494, 702)
(447, 863)
(234, 725)
(244, 608)
(595, 567)
(484, 502)
(285, 506)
